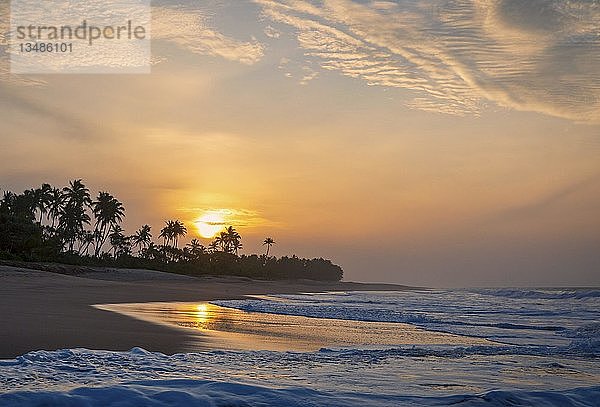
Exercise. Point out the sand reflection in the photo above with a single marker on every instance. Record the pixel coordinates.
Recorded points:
(218, 327)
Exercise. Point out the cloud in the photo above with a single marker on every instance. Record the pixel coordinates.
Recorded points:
(272, 32)
(189, 29)
(105, 56)
(4, 56)
(184, 26)
(459, 56)
(308, 75)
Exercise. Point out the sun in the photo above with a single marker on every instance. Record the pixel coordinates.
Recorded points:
(210, 223)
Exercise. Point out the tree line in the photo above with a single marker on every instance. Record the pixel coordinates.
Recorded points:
(68, 225)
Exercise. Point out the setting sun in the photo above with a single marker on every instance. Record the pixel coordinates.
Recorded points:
(210, 223)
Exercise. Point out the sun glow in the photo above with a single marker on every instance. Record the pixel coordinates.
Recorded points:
(210, 223)
(202, 312)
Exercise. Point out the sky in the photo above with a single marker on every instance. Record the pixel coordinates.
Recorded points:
(438, 143)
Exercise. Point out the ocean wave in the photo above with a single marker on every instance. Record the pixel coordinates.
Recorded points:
(368, 315)
(331, 311)
(158, 393)
(441, 375)
(542, 294)
(579, 348)
(585, 339)
(506, 315)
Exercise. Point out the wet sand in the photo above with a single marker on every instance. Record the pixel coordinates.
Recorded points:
(40, 310)
(210, 326)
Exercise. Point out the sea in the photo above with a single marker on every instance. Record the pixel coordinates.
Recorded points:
(469, 347)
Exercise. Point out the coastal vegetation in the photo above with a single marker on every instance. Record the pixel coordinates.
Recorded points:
(68, 225)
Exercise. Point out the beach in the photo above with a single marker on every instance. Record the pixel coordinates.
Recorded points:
(100, 337)
(48, 311)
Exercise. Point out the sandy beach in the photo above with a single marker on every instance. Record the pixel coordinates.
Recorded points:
(136, 337)
(42, 310)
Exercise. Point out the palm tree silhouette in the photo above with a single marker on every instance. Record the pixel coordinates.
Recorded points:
(268, 242)
(24, 234)
(171, 233)
(30, 199)
(213, 246)
(56, 199)
(151, 252)
(142, 237)
(166, 233)
(232, 240)
(118, 241)
(72, 219)
(73, 213)
(237, 246)
(221, 241)
(77, 193)
(8, 201)
(87, 239)
(108, 212)
(42, 197)
(179, 230)
(195, 249)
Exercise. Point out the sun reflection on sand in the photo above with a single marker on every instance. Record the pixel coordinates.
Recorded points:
(229, 328)
(202, 311)
(202, 314)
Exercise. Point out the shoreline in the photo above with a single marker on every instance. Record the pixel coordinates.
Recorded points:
(221, 327)
(44, 310)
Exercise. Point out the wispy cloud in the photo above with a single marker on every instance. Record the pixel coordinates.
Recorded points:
(459, 55)
(186, 26)
(272, 32)
(4, 55)
(189, 29)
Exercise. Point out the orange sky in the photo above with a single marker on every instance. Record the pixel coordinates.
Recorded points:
(489, 183)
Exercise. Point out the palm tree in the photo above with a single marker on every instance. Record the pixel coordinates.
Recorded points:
(86, 241)
(78, 193)
(118, 241)
(56, 200)
(19, 205)
(232, 239)
(151, 252)
(42, 198)
(8, 200)
(166, 233)
(237, 246)
(108, 212)
(221, 241)
(268, 242)
(195, 249)
(29, 200)
(70, 226)
(213, 246)
(178, 230)
(142, 238)
(73, 213)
